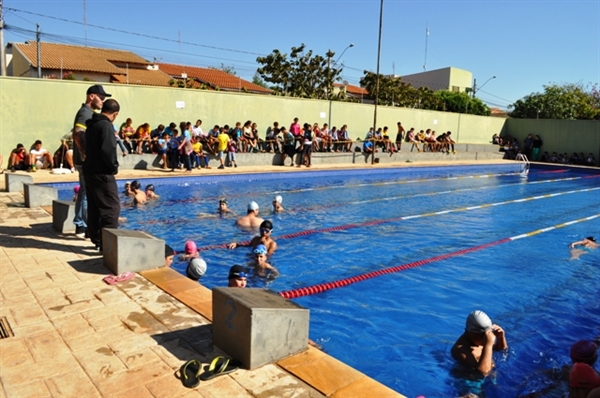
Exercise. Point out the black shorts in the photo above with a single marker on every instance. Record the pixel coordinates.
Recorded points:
(289, 150)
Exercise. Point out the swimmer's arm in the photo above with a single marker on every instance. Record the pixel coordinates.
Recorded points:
(272, 248)
(233, 245)
(273, 270)
(578, 243)
(501, 343)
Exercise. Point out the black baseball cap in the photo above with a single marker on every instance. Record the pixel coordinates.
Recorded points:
(97, 89)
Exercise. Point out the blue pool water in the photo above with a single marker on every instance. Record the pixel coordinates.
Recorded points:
(399, 328)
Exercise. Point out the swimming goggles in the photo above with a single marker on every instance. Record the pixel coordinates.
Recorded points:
(238, 275)
(266, 230)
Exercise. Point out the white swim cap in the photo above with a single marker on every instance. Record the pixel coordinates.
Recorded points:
(278, 199)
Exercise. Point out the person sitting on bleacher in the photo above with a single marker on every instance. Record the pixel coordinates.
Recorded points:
(126, 132)
(142, 136)
(344, 139)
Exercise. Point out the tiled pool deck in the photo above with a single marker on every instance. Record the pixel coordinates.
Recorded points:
(75, 336)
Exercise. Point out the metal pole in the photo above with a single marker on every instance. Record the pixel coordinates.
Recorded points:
(39, 51)
(2, 50)
(377, 79)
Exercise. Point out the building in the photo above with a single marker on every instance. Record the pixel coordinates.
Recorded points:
(451, 79)
(352, 91)
(62, 61)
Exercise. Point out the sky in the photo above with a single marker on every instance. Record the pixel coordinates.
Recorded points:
(526, 44)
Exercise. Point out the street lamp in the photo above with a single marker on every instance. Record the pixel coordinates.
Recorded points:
(329, 55)
(475, 85)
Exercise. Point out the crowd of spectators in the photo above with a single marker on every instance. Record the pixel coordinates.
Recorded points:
(531, 148)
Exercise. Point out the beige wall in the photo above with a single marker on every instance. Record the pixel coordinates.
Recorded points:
(44, 109)
(559, 135)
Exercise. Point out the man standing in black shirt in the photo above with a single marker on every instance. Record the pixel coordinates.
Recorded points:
(94, 98)
(99, 169)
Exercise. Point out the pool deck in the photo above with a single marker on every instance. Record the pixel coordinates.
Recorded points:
(76, 336)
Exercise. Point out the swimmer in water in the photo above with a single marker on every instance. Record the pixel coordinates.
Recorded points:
(265, 239)
(582, 247)
(277, 207)
(150, 194)
(127, 189)
(139, 197)
(223, 209)
(237, 277)
(475, 346)
(251, 219)
(261, 267)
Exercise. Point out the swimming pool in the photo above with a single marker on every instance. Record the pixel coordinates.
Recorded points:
(398, 328)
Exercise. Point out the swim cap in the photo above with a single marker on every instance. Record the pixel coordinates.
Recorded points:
(266, 224)
(190, 247)
(252, 206)
(223, 200)
(260, 249)
(127, 183)
(135, 184)
(278, 199)
(196, 268)
(169, 251)
(150, 187)
(583, 375)
(76, 189)
(584, 351)
(478, 322)
(591, 238)
(237, 271)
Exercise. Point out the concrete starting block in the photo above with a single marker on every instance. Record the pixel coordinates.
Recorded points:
(14, 182)
(133, 251)
(63, 213)
(38, 195)
(257, 326)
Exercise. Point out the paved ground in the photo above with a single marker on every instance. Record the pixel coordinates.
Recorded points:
(75, 336)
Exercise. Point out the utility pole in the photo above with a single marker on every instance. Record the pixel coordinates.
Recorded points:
(2, 50)
(38, 33)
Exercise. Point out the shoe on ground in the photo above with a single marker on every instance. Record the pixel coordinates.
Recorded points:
(12, 169)
(80, 232)
(33, 169)
(221, 167)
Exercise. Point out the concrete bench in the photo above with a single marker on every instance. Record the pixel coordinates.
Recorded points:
(14, 181)
(133, 251)
(39, 195)
(257, 326)
(63, 213)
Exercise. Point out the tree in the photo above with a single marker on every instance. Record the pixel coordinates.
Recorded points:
(394, 92)
(226, 69)
(568, 101)
(256, 79)
(299, 75)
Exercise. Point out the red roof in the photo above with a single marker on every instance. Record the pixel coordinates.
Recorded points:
(352, 89)
(213, 77)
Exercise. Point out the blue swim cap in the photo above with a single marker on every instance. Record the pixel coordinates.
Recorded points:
(260, 249)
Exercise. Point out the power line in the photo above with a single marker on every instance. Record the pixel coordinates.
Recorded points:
(135, 33)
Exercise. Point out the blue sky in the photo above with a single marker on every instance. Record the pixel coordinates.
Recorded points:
(526, 44)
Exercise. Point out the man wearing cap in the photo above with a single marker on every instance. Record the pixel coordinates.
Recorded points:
(223, 209)
(99, 169)
(266, 229)
(251, 219)
(94, 99)
(475, 346)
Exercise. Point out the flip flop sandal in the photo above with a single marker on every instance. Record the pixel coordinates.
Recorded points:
(218, 367)
(112, 279)
(189, 373)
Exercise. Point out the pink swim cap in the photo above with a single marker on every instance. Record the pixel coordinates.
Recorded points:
(76, 189)
(190, 247)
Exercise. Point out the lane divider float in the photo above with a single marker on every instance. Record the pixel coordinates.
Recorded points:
(402, 218)
(322, 287)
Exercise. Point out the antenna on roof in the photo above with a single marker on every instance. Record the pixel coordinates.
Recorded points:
(85, 21)
(426, 39)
